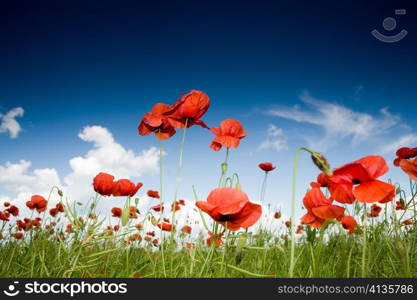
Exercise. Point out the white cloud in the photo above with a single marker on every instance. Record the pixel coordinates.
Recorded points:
(106, 156)
(337, 120)
(409, 140)
(275, 139)
(8, 123)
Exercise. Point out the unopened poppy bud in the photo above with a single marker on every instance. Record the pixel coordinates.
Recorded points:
(321, 162)
(224, 168)
(60, 193)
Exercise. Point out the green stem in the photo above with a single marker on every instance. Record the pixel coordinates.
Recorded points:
(364, 241)
(263, 189)
(178, 180)
(224, 168)
(292, 220)
(161, 181)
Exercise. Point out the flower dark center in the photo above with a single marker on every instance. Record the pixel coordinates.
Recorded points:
(225, 218)
(356, 181)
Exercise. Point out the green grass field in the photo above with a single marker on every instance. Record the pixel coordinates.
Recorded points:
(87, 254)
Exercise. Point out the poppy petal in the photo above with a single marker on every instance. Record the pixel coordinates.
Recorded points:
(409, 167)
(329, 211)
(248, 216)
(375, 165)
(205, 206)
(373, 191)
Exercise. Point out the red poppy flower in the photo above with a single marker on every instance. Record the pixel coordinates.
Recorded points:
(181, 202)
(217, 238)
(228, 135)
(157, 122)
(25, 225)
(117, 212)
(37, 202)
(53, 212)
(165, 227)
(349, 223)
(69, 229)
(4, 216)
(408, 222)
(267, 166)
(17, 236)
(133, 212)
(155, 242)
(158, 208)
(125, 187)
(151, 233)
(139, 226)
(116, 227)
(287, 224)
(231, 208)
(375, 210)
(358, 180)
(409, 167)
(299, 229)
(189, 109)
(103, 184)
(166, 220)
(153, 194)
(13, 210)
(319, 208)
(189, 245)
(175, 206)
(186, 229)
(60, 207)
(406, 153)
(400, 205)
(36, 222)
(6, 204)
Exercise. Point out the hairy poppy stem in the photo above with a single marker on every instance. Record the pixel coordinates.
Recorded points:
(161, 181)
(178, 180)
(294, 180)
(263, 189)
(224, 167)
(364, 241)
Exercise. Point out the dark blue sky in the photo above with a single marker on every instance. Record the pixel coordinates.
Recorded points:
(75, 63)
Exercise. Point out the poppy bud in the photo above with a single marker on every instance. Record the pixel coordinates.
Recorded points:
(224, 168)
(321, 162)
(60, 193)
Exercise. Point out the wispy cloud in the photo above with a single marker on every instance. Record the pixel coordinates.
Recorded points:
(8, 123)
(275, 139)
(106, 155)
(338, 121)
(408, 140)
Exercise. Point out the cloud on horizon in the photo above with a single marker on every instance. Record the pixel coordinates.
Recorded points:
(107, 155)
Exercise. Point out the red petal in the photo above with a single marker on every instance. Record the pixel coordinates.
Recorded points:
(329, 211)
(248, 216)
(227, 200)
(409, 167)
(375, 165)
(373, 191)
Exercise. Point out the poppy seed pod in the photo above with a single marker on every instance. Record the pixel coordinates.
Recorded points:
(321, 162)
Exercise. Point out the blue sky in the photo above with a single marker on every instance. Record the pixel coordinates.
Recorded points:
(310, 73)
